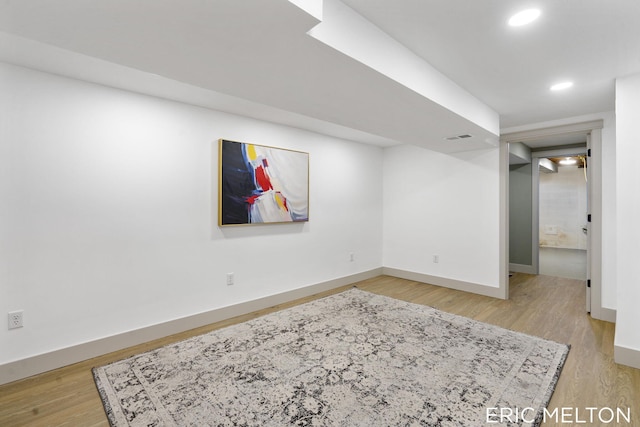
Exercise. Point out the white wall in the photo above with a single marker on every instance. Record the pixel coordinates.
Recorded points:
(445, 205)
(627, 340)
(108, 211)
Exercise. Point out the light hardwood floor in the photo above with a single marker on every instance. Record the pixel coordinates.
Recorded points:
(548, 307)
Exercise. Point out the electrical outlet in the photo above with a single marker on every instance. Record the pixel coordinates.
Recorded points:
(352, 257)
(229, 279)
(15, 319)
(436, 259)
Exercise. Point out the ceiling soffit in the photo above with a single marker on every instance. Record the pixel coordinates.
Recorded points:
(261, 54)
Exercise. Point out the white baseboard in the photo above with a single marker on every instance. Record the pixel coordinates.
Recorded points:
(626, 356)
(606, 314)
(445, 282)
(38, 364)
(522, 268)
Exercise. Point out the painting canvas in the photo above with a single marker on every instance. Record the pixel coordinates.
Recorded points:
(260, 184)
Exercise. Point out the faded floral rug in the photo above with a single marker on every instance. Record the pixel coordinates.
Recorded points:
(350, 359)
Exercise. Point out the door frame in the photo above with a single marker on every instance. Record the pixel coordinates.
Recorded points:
(594, 130)
(553, 151)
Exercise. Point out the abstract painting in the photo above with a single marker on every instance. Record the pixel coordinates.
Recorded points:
(260, 184)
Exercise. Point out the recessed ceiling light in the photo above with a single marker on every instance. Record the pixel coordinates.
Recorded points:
(568, 161)
(525, 17)
(561, 86)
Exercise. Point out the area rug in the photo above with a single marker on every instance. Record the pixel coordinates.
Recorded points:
(350, 359)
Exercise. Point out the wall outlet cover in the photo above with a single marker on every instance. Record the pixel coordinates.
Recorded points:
(15, 319)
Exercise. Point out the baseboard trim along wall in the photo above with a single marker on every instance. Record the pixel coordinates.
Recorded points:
(522, 268)
(626, 356)
(38, 364)
(607, 314)
(444, 282)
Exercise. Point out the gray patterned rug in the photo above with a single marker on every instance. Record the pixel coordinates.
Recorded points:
(351, 359)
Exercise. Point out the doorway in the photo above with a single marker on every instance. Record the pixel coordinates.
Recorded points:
(559, 140)
(562, 215)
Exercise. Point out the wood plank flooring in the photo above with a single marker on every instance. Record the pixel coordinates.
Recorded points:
(548, 307)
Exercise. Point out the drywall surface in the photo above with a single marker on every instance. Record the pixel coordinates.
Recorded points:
(520, 215)
(345, 30)
(445, 206)
(628, 213)
(563, 208)
(609, 222)
(108, 212)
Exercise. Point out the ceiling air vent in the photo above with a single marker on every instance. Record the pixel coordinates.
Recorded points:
(454, 138)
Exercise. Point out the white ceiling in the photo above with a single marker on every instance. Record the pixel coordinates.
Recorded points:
(258, 51)
(590, 42)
